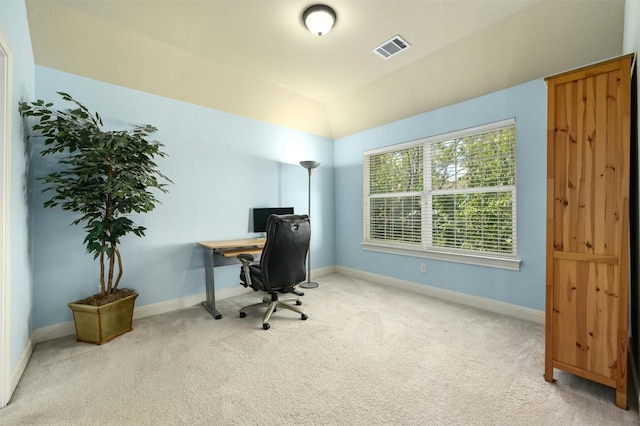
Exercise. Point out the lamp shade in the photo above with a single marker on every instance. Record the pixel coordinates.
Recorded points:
(309, 164)
(319, 19)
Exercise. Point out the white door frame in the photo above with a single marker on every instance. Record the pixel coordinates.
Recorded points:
(6, 65)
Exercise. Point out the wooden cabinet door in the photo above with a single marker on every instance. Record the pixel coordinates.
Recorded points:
(588, 156)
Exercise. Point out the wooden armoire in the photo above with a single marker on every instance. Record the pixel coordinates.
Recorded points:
(587, 246)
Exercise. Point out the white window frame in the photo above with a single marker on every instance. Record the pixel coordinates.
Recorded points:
(425, 250)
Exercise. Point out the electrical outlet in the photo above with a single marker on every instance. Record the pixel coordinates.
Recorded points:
(423, 267)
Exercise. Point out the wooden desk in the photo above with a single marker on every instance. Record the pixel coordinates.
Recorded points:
(218, 253)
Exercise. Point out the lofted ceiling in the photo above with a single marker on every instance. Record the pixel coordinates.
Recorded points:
(256, 59)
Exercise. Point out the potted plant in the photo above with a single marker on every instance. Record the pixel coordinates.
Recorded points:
(105, 176)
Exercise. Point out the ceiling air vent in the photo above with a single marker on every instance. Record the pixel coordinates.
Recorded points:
(391, 47)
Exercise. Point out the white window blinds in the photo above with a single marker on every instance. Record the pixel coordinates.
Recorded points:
(453, 192)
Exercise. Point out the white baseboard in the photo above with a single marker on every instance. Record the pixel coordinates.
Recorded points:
(508, 309)
(21, 365)
(323, 271)
(68, 328)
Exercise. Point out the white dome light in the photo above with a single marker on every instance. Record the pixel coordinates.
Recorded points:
(319, 19)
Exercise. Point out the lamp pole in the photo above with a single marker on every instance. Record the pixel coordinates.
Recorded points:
(309, 165)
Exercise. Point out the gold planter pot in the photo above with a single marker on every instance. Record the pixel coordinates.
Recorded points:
(99, 324)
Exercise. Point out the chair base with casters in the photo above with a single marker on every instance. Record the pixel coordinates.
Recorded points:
(281, 267)
(272, 304)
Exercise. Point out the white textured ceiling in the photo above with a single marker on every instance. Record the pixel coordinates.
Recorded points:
(255, 58)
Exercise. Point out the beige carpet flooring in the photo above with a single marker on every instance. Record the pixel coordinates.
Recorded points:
(367, 355)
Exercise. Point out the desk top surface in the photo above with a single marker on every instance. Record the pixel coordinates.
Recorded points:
(245, 242)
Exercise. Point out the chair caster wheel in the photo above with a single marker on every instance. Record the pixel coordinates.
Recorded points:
(243, 314)
(266, 326)
(298, 302)
(304, 317)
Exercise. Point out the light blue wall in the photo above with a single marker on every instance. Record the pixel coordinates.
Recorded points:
(14, 26)
(221, 165)
(527, 103)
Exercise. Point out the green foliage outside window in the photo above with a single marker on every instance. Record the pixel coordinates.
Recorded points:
(468, 205)
(397, 215)
(482, 220)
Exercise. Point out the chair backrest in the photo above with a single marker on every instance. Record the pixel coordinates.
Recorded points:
(285, 251)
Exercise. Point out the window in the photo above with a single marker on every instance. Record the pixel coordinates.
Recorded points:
(451, 197)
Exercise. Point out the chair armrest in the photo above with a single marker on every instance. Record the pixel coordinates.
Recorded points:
(245, 258)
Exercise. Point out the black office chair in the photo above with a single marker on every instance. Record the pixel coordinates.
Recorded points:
(281, 267)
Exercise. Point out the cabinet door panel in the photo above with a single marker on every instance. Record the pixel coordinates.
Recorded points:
(586, 316)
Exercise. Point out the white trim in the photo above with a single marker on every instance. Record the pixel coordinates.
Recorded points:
(68, 329)
(502, 308)
(6, 81)
(469, 259)
(21, 365)
(426, 249)
(53, 332)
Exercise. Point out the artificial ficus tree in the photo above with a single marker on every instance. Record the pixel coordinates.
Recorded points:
(104, 175)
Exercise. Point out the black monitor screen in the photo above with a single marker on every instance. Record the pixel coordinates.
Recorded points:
(261, 215)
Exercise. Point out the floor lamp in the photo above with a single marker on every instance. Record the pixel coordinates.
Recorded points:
(309, 165)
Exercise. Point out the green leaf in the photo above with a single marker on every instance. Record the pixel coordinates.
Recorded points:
(103, 176)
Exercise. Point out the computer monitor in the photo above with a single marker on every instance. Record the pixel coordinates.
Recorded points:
(260, 216)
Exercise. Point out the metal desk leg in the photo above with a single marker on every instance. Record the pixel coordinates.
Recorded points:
(210, 303)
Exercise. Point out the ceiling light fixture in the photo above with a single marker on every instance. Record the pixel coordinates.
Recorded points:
(319, 19)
